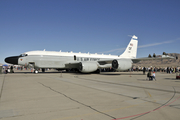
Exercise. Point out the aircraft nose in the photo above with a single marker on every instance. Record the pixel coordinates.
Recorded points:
(12, 60)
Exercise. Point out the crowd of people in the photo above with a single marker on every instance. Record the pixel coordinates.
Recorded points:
(151, 70)
(10, 68)
(157, 69)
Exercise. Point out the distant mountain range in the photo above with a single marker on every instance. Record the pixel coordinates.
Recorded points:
(161, 63)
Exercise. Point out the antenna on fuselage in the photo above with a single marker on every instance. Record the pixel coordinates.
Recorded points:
(44, 49)
(130, 35)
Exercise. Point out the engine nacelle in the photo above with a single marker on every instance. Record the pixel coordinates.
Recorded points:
(122, 64)
(87, 67)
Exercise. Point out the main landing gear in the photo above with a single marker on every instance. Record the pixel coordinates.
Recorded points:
(36, 71)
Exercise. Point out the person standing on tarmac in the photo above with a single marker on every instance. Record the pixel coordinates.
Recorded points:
(144, 70)
(11, 69)
(6, 70)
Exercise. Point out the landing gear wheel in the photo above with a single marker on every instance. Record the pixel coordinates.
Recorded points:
(35, 71)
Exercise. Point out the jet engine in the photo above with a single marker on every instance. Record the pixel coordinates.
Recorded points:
(122, 64)
(86, 67)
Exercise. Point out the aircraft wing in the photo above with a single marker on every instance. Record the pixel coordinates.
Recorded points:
(103, 62)
(159, 57)
(107, 63)
(77, 64)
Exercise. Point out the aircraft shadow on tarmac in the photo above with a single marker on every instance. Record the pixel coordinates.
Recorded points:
(122, 74)
(174, 79)
(77, 73)
(145, 79)
(37, 73)
(53, 72)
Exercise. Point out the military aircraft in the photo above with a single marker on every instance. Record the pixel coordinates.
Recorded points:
(84, 62)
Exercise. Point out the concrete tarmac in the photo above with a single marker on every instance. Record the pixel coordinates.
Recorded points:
(73, 96)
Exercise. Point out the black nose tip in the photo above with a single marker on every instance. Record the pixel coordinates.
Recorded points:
(12, 60)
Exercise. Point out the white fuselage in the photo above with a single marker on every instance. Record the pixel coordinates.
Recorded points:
(51, 59)
(84, 62)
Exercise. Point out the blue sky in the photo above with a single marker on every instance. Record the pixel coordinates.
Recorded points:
(95, 26)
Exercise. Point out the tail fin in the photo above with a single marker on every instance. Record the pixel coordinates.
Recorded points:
(131, 50)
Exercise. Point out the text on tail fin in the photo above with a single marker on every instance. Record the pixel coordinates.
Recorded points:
(131, 50)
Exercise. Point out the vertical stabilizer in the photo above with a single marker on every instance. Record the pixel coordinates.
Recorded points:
(131, 50)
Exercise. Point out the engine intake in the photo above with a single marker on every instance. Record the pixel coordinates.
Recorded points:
(115, 64)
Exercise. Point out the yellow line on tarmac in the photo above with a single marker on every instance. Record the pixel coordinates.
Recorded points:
(149, 94)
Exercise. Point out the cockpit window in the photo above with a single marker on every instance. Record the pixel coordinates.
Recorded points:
(23, 55)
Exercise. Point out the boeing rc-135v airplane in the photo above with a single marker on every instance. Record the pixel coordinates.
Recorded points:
(84, 62)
